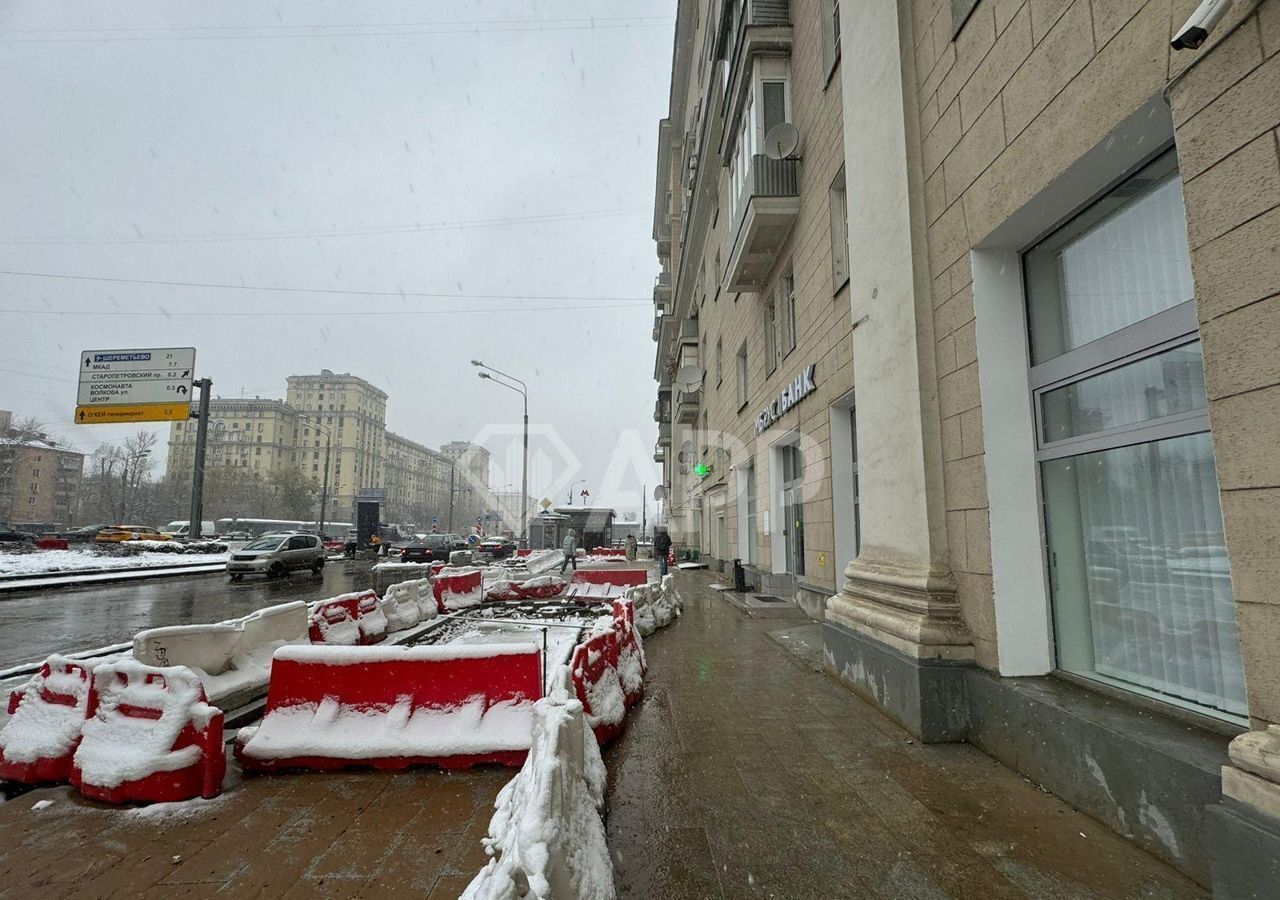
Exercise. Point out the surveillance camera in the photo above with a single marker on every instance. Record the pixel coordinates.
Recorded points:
(1207, 15)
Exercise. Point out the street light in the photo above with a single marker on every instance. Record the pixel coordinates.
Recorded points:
(523, 390)
(574, 485)
(324, 491)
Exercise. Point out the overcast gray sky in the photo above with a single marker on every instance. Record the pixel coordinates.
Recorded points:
(243, 142)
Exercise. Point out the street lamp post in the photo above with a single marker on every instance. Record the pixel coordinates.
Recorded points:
(523, 390)
(324, 491)
(574, 485)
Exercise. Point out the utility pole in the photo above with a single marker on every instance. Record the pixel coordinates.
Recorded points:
(202, 436)
(324, 491)
(453, 469)
(644, 510)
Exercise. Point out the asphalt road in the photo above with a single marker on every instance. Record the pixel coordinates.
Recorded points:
(35, 624)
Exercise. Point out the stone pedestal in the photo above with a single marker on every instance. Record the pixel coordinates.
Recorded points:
(1243, 831)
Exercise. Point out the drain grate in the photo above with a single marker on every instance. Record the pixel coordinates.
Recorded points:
(767, 598)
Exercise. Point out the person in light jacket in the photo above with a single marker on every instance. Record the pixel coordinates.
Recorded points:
(570, 548)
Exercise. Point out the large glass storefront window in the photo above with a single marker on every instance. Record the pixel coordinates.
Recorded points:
(1137, 559)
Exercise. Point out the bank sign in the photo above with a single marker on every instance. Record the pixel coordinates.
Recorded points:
(792, 394)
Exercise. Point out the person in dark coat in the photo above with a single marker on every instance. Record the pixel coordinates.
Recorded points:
(661, 549)
(570, 548)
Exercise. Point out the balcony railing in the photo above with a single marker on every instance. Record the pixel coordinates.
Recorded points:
(763, 215)
(662, 293)
(687, 406)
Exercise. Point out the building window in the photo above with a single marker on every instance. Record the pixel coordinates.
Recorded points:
(742, 375)
(831, 35)
(1138, 570)
(787, 291)
(960, 12)
(839, 234)
(719, 361)
(770, 335)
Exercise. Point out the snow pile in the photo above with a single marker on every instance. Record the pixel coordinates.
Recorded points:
(142, 710)
(53, 709)
(173, 548)
(502, 589)
(606, 699)
(79, 559)
(657, 605)
(542, 587)
(458, 587)
(547, 839)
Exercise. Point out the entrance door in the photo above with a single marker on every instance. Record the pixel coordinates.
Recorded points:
(793, 507)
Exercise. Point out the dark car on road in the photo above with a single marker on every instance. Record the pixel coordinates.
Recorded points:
(498, 547)
(9, 534)
(432, 548)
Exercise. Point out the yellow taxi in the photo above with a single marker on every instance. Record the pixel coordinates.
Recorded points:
(114, 534)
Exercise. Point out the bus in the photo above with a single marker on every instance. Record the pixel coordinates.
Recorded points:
(258, 527)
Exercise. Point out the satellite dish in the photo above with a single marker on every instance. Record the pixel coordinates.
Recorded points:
(660, 492)
(689, 378)
(687, 447)
(782, 141)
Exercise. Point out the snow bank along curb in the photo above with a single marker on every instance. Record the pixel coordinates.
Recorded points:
(119, 733)
(391, 707)
(547, 838)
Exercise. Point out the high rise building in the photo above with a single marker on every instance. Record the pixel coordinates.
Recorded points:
(259, 436)
(354, 412)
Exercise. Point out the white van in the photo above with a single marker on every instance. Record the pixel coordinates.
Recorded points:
(182, 529)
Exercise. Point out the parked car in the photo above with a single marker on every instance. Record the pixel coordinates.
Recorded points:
(181, 529)
(498, 547)
(432, 548)
(114, 534)
(12, 535)
(237, 536)
(276, 555)
(84, 535)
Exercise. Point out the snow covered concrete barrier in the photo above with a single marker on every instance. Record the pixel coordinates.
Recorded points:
(45, 721)
(232, 658)
(458, 588)
(607, 671)
(153, 738)
(656, 605)
(406, 603)
(449, 705)
(348, 620)
(546, 837)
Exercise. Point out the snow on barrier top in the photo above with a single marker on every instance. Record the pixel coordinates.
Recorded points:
(153, 736)
(45, 719)
(546, 838)
(391, 706)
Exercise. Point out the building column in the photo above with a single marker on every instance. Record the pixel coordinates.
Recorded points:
(894, 633)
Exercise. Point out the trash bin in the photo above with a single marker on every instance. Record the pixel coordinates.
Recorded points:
(739, 577)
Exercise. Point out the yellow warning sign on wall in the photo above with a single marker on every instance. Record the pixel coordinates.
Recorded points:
(136, 412)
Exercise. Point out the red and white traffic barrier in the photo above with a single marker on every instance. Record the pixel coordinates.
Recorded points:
(348, 620)
(46, 718)
(153, 737)
(458, 588)
(607, 671)
(451, 705)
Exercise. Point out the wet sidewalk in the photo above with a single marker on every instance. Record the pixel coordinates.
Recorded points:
(412, 834)
(746, 772)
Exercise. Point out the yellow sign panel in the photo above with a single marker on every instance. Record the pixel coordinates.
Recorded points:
(134, 412)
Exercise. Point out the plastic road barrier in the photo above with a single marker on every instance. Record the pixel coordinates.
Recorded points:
(153, 737)
(46, 717)
(458, 588)
(619, 577)
(348, 619)
(451, 705)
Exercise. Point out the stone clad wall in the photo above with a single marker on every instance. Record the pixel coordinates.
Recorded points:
(1025, 89)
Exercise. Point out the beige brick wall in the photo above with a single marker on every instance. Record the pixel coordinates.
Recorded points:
(823, 325)
(1025, 89)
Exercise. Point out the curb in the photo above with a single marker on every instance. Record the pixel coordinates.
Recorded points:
(45, 581)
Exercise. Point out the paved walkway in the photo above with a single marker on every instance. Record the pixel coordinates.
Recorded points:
(368, 835)
(748, 773)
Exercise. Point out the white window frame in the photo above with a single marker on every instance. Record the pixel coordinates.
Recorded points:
(839, 233)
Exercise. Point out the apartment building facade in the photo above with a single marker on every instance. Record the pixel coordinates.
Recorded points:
(1063, 270)
(39, 479)
(340, 418)
(752, 309)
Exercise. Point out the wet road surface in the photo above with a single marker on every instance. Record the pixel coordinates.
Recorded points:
(35, 624)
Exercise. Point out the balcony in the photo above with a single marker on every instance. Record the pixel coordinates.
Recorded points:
(766, 211)
(662, 293)
(663, 237)
(687, 406)
(660, 453)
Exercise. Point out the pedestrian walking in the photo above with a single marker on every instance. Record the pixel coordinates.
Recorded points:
(661, 549)
(570, 548)
(631, 546)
